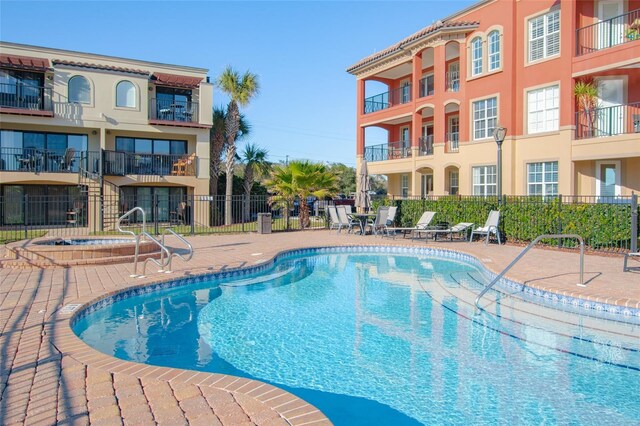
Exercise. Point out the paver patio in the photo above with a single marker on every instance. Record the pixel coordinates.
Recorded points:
(48, 376)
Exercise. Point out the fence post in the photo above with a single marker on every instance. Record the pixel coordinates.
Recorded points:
(154, 209)
(193, 214)
(634, 222)
(25, 202)
(559, 230)
(242, 212)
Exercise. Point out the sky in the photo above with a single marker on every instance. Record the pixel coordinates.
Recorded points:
(306, 108)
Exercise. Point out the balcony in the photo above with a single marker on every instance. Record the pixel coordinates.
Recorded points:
(390, 151)
(386, 100)
(426, 86)
(609, 33)
(426, 145)
(173, 111)
(453, 142)
(125, 163)
(608, 121)
(47, 161)
(19, 98)
(452, 81)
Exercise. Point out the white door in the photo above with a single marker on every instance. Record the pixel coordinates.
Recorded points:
(610, 112)
(608, 179)
(427, 185)
(404, 141)
(610, 29)
(453, 82)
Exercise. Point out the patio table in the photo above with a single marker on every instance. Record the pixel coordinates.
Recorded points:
(362, 218)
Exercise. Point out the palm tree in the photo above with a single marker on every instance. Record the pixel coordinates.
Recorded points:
(241, 89)
(586, 93)
(255, 160)
(300, 179)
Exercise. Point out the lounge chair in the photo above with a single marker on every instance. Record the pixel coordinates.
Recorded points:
(490, 227)
(626, 268)
(333, 217)
(461, 228)
(422, 224)
(380, 222)
(345, 219)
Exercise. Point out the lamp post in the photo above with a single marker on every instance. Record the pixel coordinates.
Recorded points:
(499, 134)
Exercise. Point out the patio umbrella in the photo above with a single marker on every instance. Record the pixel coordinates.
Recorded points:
(363, 200)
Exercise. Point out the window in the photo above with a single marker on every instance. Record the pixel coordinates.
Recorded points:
(543, 109)
(426, 85)
(406, 92)
(454, 186)
(404, 183)
(79, 90)
(484, 180)
(126, 94)
(544, 36)
(174, 104)
(40, 151)
(476, 56)
(149, 146)
(542, 178)
(494, 50)
(485, 117)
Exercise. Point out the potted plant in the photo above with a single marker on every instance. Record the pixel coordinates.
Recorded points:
(586, 93)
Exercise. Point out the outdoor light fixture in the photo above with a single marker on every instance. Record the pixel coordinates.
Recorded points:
(499, 133)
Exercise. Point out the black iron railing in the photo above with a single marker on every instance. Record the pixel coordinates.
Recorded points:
(452, 81)
(387, 151)
(426, 145)
(452, 142)
(47, 161)
(426, 86)
(173, 110)
(124, 163)
(25, 96)
(608, 121)
(608, 33)
(389, 99)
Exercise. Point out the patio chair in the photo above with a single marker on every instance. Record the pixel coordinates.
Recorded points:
(422, 225)
(380, 222)
(333, 217)
(461, 228)
(345, 219)
(490, 227)
(177, 217)
(67, 159)
(625, 267)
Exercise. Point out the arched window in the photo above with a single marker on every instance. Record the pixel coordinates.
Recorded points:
(79, 90)
(476, 56)
(126, 94)
(494, 50)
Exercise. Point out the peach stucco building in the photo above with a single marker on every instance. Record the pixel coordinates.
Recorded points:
(512, 64)
(84, 127)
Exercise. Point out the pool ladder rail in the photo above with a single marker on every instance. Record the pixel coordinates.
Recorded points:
(166, 255)
(529, 247)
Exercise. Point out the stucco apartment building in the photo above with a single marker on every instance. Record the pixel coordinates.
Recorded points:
(85, 137)
(512, 64)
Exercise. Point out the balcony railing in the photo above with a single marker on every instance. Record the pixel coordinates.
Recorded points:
(387, 151)
(452, 81)
(426, 86)
(452, 142)
(608, 33)
(173, 110)
(389, 99)
(426, 145)
(608, 121)
(47, 161)
(23, 96)
(125, 163)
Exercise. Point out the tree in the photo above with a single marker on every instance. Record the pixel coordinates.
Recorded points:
(254, 159)
(241, 89)
(300, 179)
(346, 177)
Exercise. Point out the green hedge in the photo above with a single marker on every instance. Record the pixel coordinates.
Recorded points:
(605, 227)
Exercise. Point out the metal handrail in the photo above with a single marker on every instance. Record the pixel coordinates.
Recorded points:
(181, 238)
(529, 247)
(137, 237)
(160, 264)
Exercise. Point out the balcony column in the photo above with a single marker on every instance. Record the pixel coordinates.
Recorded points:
(416, 118)
(360, 93)
(439, 82)
(416, 76)
(463, 133)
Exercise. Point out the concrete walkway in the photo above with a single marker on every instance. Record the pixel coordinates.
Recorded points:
(48, 376)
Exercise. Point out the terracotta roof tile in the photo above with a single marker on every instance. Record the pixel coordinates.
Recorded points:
(413, 37)
(174, 80)
(99, 67)
(24, 62)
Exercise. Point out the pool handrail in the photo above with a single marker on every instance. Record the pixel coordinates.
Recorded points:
(137, 237)
(529, 247)
(163, 249)
(182, 239)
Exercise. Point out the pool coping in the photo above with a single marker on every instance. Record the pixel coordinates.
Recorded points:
(59, 326)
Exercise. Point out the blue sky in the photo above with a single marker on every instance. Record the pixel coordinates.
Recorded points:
(299, 49)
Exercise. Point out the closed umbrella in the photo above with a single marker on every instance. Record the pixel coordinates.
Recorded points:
(363, 200)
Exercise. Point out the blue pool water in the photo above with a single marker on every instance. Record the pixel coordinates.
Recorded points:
(386, 339)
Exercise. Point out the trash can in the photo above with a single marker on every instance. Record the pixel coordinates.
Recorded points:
(264, 223)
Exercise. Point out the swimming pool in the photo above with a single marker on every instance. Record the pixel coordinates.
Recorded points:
(384, 336)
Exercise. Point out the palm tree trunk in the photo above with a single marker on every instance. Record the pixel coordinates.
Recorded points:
(228, 199)
(248, 184)
(304, 214)
(232, 123)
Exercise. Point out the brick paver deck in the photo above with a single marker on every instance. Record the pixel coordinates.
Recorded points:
(48, 376)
